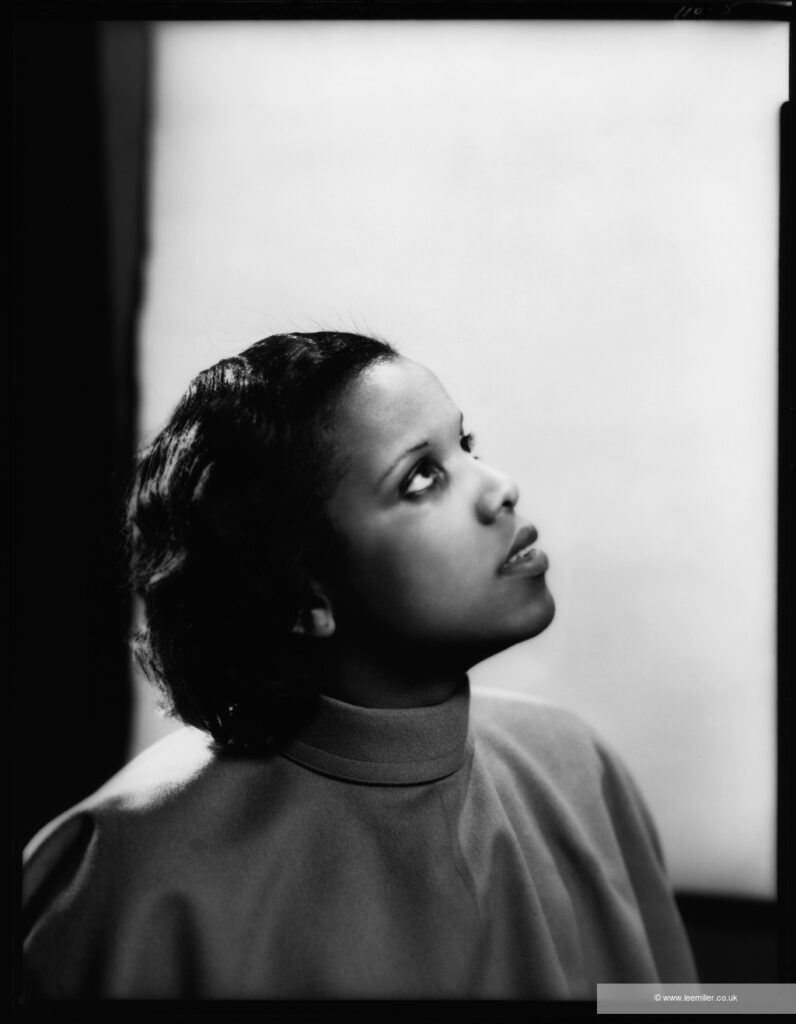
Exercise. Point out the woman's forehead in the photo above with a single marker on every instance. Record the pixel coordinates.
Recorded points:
(393, 399)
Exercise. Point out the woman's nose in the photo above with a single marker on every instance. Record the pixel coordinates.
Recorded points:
(498, 493)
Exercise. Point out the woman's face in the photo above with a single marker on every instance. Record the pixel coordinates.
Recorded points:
(426, 529)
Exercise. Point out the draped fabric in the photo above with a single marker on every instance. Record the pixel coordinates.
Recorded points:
(487, 847)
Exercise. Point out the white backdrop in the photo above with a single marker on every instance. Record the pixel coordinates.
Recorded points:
(575, 225)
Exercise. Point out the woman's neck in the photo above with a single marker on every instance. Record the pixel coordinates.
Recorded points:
(369, 679)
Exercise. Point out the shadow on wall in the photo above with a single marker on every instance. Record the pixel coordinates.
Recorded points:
(78, 259)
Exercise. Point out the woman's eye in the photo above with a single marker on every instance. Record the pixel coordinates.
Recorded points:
(423, 479)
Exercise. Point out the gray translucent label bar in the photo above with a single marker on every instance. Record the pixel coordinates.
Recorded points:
(659, 998)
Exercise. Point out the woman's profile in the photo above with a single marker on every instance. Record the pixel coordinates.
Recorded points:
(322, 557)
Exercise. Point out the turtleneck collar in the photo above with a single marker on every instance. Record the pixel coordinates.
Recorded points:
(386, 746)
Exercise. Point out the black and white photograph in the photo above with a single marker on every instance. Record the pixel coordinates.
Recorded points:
(401, 466)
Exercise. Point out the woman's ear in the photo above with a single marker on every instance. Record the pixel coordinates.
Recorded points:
(317, 617)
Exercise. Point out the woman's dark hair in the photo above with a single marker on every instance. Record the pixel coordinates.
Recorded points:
(225, 522)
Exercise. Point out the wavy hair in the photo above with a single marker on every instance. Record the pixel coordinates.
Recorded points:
(225, 522)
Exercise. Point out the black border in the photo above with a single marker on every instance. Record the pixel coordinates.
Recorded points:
(634, 10)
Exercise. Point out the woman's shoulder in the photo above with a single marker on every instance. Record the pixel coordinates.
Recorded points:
(549, 742)
(498, 712)
(140, 791)
(146, 834)
(556, 751)
(144, 782)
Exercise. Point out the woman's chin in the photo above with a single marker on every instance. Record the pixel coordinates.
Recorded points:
(527, 630)
(547, 614)
(537, 618)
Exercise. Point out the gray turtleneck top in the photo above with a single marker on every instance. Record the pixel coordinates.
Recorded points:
(486, 847)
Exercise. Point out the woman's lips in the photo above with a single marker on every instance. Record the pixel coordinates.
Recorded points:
(523, 558)
(527, 562)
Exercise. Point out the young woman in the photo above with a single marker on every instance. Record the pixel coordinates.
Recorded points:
(321, 558)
